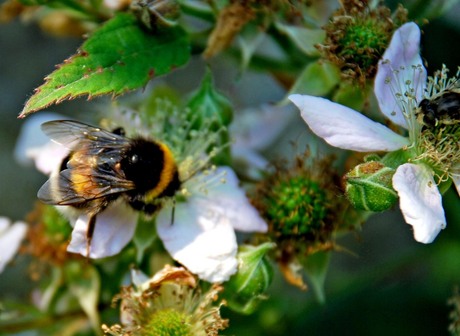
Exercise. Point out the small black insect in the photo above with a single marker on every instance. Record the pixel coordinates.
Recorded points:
(441, 110)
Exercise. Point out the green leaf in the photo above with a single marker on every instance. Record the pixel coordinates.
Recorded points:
(304, 38)
(317, 79)
(248, 41)
(351, 95)
(119, 57)
(51, 290)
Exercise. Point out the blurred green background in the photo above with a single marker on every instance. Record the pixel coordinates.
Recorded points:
(392, 285)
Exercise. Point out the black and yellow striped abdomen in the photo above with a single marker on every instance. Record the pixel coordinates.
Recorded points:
(151, 167)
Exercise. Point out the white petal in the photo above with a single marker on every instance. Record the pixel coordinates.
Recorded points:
(200, 239)
(258, 128)
(345, 128)
(229, 200)
(420, 201)
(114, 229)
(31, 135)
(401, 56)
(10, 240)
(248, 162)
(202, 236)
(48, 157)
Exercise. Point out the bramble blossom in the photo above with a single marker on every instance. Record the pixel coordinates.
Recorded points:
(11, 236)
(400, 85)
(210, 206)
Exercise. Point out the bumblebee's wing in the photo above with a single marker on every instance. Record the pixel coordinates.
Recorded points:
(69, 187)
(74, 134)
(91, 170)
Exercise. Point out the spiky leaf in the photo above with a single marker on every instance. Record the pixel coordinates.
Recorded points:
(119, 57)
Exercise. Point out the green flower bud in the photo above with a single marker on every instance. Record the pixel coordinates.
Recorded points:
(156, 14)
(369, 187)
(246, 288)
(208, 109)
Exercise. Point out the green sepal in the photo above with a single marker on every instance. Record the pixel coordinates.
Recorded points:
(396, 158)
(144, 236)
(249, 40)
(57, 227)
(369, 187)
(305, 39)
(316, 266)
(246, 289)
(209, 109)
(84, 284)
(119, 57)
(207, 103)
(443, 186)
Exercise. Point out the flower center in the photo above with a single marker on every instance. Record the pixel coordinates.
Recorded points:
(439, 116)
(441, 150)
(363, 43)
(167, 322)
(297, 207)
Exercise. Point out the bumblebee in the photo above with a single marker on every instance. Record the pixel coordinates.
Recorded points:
(104, 166)
(441, 110)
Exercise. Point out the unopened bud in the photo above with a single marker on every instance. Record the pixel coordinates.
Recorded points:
(246, 288)
(369, 187)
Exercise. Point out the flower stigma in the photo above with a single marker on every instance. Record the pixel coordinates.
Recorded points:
(170, 303)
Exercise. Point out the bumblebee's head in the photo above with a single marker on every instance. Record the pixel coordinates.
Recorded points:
(143, 163)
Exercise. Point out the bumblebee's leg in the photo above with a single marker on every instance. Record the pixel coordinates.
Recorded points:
(90, 232)
(173, 211)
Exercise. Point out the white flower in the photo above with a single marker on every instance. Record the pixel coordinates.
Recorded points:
(10, 240)
(34, 146)
(202, 234)
(400, 85)
(254, 131)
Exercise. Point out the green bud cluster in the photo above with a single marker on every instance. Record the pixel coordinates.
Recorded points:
(297, 206)
(357, 36)
(363, 42)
